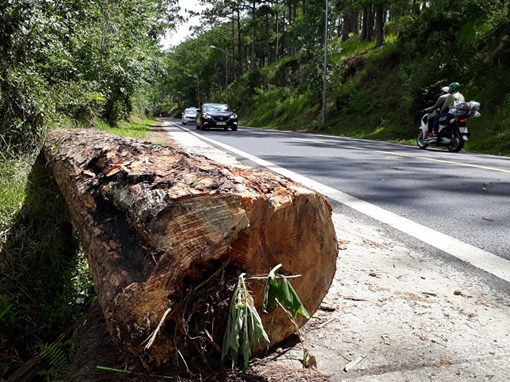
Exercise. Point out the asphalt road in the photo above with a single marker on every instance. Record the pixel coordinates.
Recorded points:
(457, 202)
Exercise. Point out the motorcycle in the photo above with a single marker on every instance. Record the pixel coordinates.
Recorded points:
(452, 133)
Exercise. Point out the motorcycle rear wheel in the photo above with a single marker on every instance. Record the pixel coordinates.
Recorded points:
(420, 140)
(456, 144)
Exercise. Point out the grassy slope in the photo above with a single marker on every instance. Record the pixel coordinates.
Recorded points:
(382, 96)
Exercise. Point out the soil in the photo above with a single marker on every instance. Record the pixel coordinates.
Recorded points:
(394, 312)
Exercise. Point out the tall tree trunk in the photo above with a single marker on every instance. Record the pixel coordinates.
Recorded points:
(284, 45)
(165, 231)
(239, 42)
(233, 71)
(379, 24)
(364, 25)
(415, 9)
(355, 23)
(253, 64)
(267, 59)
(277, 42)
(367, 33)
(289, 23)
(349, 25)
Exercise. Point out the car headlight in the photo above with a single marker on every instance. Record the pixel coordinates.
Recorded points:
(206, 116)
(233, 116)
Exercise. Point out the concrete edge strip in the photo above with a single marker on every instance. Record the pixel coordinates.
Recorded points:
(477, 257)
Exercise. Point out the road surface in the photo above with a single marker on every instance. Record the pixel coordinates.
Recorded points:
(422, 287)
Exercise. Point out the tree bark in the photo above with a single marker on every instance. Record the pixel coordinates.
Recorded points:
(380, 14)
(253, 56)
(155, 222)
(367, 31)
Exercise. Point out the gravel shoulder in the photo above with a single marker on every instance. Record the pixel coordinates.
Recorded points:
(395, 311)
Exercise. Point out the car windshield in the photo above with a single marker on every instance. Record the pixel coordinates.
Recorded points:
(216, 108)
(191, 110)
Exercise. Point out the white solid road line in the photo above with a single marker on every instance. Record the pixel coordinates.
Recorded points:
(477, 257)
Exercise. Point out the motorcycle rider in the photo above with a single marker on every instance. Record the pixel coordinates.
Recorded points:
(445, 91)
(454, 96)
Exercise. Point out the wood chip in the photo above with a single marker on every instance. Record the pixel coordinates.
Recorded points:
(342, 244)
(327, 307)
(353, 363)
(326, 322)
(352, 298)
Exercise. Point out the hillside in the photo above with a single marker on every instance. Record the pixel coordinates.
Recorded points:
(379, 93)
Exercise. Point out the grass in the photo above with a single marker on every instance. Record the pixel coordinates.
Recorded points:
(353, 47)
(39, 265)
(13, 179)
(43, 272)
(134, 128)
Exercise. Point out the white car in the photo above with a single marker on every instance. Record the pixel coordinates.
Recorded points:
(189, 115)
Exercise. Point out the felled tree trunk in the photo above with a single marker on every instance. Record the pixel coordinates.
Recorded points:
(155, 223)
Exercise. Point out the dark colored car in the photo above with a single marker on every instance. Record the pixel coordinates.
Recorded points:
(216, 115)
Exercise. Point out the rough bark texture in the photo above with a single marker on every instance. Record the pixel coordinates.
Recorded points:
(154, 221)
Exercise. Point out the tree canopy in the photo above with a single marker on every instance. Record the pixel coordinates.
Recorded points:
(385, 60)
(75, 60)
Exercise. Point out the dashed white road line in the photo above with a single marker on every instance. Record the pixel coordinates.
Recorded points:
(477, 257)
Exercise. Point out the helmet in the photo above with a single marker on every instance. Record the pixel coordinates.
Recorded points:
(455, 86)
(445, 89)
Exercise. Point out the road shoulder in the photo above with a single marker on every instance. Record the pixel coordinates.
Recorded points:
(395, 312)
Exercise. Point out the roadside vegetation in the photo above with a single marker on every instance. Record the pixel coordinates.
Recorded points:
(99, 65)
(376, 87)
(45, 284)
(62, 64)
